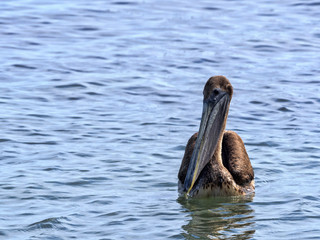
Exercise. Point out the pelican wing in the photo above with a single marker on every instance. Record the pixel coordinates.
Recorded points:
(186, 158)
(235, 158)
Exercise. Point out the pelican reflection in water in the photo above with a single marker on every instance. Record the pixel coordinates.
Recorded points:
(215, 162)
(218, 218)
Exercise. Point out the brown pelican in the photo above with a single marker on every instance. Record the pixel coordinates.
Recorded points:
(215, 161)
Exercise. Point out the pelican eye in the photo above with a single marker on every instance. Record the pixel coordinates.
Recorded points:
(213, 96)
(215, 91)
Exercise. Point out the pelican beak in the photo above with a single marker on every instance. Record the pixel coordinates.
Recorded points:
(215, 109)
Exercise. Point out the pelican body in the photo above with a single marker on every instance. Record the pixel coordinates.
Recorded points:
(215, 162)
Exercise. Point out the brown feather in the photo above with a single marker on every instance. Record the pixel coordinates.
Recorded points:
(186, 158)
(236, 159)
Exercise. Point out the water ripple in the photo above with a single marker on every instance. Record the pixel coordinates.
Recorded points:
(49, 223)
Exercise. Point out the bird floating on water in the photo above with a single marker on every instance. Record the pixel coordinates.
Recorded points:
(215, 161)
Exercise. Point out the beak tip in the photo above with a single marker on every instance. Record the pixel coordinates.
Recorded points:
(188, 185)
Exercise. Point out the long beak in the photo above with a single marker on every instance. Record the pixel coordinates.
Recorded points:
(211, 126)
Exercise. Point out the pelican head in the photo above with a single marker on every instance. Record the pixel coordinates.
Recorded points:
(217, 95)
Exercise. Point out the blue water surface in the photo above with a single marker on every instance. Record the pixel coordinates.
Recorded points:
(98, 99)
